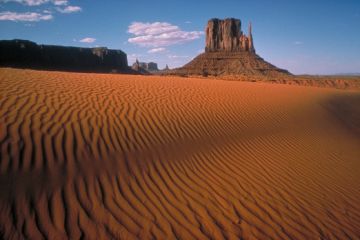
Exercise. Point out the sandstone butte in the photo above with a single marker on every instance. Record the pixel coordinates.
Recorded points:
(229, 51)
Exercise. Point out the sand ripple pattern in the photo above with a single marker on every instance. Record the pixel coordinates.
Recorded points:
(96, 156)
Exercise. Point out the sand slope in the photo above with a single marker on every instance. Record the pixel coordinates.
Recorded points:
(129, 157)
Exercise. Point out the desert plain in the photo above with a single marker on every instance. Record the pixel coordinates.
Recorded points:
(106, 156)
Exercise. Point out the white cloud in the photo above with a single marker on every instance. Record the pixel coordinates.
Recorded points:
(177, 56)
(27, 2)
(159, 34)
(156, 50)
(187, 22)
(139, 28)
(60, 2)
(298, 43)
(87, 40)
(69, 9)
(24, 17)
(37, 2)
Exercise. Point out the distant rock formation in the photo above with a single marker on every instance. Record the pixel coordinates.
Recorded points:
(140, 67)
(165, 71)
(228, 51)
(27, 54)
(226, 35)
(151, 67)
(136, 66)
(230, 63)
(145, 68)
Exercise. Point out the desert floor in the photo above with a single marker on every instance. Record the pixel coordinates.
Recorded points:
(131, 157)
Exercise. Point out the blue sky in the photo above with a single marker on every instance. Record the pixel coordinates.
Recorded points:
(314, 37)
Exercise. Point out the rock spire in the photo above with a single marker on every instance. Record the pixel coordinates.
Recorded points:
(226, 35)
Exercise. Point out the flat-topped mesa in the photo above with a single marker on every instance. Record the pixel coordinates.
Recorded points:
(27, 54)
(226, 35)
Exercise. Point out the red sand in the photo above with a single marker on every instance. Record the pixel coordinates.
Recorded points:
(133, 157)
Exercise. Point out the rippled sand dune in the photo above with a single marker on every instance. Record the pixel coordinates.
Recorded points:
(130, 157)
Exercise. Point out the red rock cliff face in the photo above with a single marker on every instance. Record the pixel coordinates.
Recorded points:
(27, 54)
(226, 35)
